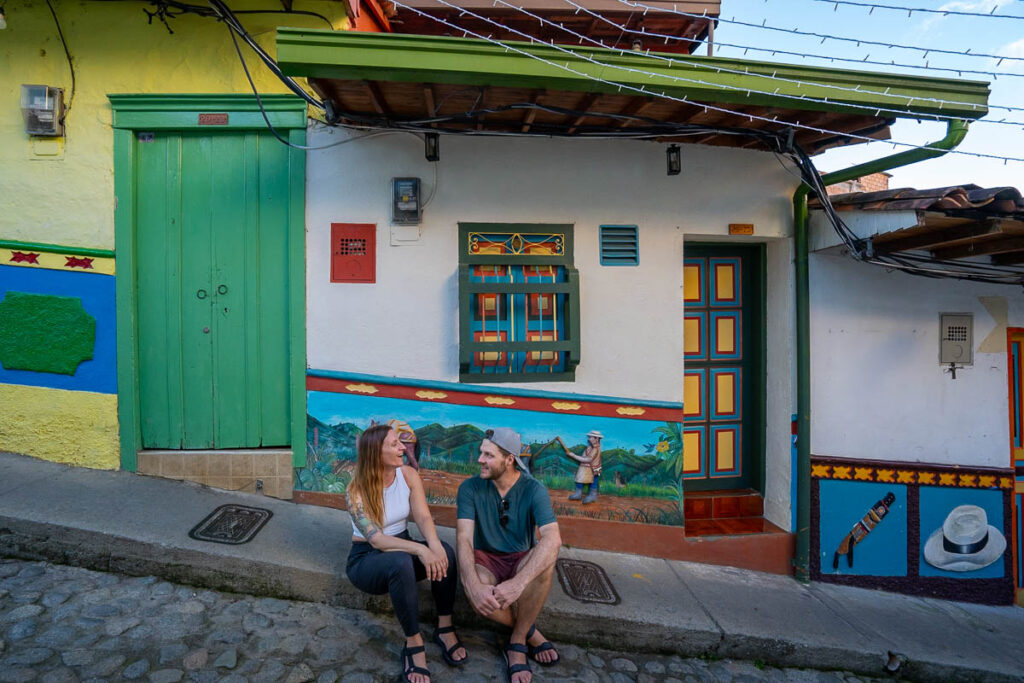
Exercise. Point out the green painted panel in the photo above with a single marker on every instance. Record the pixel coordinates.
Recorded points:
(274, 376)
(155, 216)
(45, 333)
(197, 202)
(228, 291)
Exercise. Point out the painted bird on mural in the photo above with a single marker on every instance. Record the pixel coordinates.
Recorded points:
(862, 528)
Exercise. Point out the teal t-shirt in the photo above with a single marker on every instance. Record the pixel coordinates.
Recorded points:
(529, 506)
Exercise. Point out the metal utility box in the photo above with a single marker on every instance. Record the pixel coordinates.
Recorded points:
(407, 207)
(353, 252)
(956, 338)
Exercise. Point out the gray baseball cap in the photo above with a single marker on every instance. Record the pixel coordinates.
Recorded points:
(508, 440)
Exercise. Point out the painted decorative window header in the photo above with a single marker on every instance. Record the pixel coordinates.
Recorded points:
(518, 399)
(55, 257)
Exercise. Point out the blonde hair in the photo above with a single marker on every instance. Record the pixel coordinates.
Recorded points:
(368, 481)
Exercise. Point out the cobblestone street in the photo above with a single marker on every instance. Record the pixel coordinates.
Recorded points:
(67, 624)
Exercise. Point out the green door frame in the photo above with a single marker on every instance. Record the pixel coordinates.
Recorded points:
(150, 112)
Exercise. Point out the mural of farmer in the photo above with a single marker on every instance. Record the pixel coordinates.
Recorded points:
(589, 471)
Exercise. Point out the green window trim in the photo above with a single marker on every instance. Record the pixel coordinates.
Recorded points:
(569, 341)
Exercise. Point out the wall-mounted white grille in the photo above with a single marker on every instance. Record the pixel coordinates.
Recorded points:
(956, 339)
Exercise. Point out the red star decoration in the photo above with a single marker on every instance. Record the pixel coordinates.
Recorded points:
(22, 257)
(75, 262)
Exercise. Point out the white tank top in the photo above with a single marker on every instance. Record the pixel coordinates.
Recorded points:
(396, 507)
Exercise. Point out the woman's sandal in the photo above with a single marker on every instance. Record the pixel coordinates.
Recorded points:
(446, 652)
(510, 668)
(408, 667)
(532, 651)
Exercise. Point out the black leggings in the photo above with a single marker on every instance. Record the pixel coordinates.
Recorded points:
(376, 572)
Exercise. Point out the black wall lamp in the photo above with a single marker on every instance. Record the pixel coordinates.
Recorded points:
(432, 146)
(673, 160)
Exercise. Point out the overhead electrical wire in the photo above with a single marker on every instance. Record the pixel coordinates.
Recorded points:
(684, 100)
(743, 72)
(808, 55)
(925, 10)
(812, 34)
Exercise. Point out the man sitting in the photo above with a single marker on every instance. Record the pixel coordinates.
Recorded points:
(506, 572)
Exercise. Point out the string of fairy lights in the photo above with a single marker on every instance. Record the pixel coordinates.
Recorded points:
(644, 90)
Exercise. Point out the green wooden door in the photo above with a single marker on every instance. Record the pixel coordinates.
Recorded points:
(723, 404)
(212, 255)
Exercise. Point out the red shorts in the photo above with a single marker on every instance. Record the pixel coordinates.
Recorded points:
(502, 565)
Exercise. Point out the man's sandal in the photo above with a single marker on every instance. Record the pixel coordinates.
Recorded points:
(510, 668)
(408, 667)
(447, 652)
(532, 651)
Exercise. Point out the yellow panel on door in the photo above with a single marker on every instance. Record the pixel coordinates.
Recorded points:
(692, 336)
(692, 395)
(691, 282)
(725, 282)
(725, 393)
(691, 452)
(725, 450)
(725, 335)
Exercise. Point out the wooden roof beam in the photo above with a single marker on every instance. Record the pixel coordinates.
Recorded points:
(1008, 258)
(583, 106)
(380, 105)
(635, 107)
(980, 248)
(932, 239)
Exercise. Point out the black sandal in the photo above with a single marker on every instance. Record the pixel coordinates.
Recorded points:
(446, 652)
(513, 669)
(408, 667)
(532, 651)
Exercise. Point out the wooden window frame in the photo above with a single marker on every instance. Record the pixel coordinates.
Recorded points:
(569, 344)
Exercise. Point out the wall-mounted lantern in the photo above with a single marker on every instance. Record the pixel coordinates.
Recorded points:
(673, 160)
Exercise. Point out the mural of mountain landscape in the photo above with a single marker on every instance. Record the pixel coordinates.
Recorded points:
(641, 461)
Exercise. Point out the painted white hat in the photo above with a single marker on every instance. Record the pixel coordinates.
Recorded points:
(594, 432)
(965, 542)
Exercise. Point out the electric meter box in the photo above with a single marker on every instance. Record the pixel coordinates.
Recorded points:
(956, 338)
(42, 108)
(406, 206)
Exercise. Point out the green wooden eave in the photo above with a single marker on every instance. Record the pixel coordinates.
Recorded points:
(175, 112)
(350, 55)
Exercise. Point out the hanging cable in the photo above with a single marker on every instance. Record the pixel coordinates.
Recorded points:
(71, 65)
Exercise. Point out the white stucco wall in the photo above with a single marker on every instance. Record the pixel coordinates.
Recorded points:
(878, 391)
(406, 323)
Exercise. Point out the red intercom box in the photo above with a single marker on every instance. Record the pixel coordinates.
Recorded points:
(353, 252)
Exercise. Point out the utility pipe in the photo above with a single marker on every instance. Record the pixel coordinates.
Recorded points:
(956, 129)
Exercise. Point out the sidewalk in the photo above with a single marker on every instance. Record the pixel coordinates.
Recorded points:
(121, 522)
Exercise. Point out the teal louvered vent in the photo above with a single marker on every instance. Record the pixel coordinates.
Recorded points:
(620, 245)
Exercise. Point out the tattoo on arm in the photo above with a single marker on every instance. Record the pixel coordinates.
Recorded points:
(359, 517)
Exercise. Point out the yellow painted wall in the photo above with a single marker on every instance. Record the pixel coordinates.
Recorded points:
(69, 199)
(74, 427)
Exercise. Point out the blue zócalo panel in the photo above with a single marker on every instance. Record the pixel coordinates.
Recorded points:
(883, 551)
(96, 292)
(985, 561)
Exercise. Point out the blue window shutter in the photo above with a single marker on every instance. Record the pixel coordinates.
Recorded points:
(620, 245)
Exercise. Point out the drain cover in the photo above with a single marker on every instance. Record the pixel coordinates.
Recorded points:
(586, 582)
(234, 524)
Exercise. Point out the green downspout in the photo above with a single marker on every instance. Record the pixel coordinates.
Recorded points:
(955, 131)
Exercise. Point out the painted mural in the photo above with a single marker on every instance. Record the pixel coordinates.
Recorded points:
(595, 466)
(920, 529)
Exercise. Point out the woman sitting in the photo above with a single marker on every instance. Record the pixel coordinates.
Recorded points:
(385, 559)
